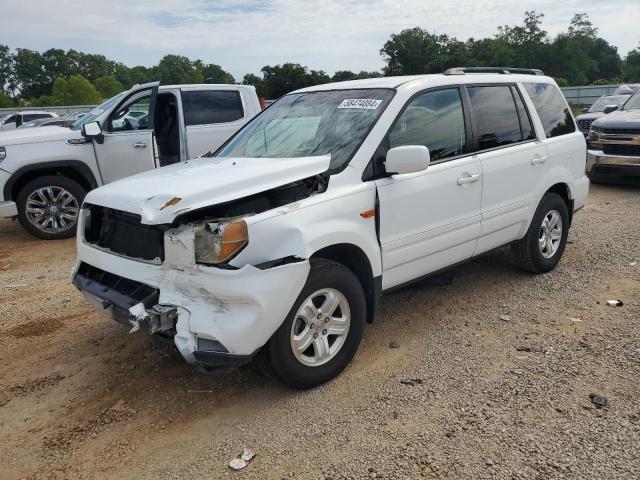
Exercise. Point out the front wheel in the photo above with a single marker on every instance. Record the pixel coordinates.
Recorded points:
(323, 330)
(48, 207)
(543, 245)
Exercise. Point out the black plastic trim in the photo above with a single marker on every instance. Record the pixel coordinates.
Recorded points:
(279, 262)
(82, 169)
(219, 359)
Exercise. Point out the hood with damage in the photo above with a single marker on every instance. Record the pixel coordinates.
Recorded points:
(51, 133)
(623, 119)
(159, 196)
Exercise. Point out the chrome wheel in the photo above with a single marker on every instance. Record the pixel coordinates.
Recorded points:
(320, 327)
(52, 209)
(550, 234)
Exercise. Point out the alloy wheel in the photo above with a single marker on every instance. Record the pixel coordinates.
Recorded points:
(52, 209)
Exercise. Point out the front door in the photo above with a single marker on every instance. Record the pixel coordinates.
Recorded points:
(127, 146)
(430, 219)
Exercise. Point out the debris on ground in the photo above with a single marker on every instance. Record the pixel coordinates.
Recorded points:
(517, 371)
(523, 348)
(505, 318)
(243, 460)
(394, 344)
(575, 319)
(598, 400)
(412, 381)
(633, 264)
(615, 303)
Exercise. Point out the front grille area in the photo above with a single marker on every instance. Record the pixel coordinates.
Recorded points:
(621, 131)
(622, 149)
(124, 234)
(116, 290)
(584, 125)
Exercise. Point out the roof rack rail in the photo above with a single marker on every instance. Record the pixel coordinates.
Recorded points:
(502, 70)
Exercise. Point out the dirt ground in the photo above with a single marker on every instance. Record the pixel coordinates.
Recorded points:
(487, 377)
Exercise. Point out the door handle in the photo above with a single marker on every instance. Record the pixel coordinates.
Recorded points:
(469, 179)
(538, 159)
(139, 145)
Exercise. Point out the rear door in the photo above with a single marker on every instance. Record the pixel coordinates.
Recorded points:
(127, 146)
(514, 162)
(430, 219)
(211, 116)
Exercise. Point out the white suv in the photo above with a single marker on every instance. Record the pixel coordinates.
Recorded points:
(282, 242)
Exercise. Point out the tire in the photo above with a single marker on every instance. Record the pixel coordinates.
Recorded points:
(529, 253)
(60, 196)
(278, 359)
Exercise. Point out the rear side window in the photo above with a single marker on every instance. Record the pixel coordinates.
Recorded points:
(434, 119)
(552, 109)
(34, 116)
(525, 120)
(495, 116)
(203, 107)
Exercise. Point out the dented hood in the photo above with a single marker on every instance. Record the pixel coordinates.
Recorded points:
(161, 195)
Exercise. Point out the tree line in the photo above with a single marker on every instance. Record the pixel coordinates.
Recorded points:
(577, 56)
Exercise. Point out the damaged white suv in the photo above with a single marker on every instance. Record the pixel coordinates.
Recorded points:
(283, 241)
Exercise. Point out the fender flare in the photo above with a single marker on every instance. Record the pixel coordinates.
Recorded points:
(82, 168)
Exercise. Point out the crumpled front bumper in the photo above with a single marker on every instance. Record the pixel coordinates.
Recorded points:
(239, 309)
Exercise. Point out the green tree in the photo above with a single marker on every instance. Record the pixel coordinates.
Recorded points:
(279, 80)
(74, 90)
(108, 86)
(175, 69)
(212, 73)
(415, 51)
(631, 66)
(6, 70)
(6, 101)
(343, 75)
(30, 76)
(257, 82)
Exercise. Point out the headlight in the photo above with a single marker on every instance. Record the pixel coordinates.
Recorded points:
(3, 153)
(219, 242)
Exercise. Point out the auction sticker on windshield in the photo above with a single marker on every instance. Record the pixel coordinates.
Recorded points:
(367, 103)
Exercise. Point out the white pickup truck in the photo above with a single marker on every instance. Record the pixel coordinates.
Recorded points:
(46, 172)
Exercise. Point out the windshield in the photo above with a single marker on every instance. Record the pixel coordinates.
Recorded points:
(633, 103)
(602, 102)
(311, 124)
(96, 112)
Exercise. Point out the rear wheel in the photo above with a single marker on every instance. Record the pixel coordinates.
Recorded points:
(48, 207)
(542, 247)
(323, 330)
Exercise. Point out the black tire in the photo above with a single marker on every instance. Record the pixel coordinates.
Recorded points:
(526, 251)
(42, 182)
(277, 358)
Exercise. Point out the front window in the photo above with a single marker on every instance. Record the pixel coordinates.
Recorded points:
(93, 115)
(599, 105)
(633, 103)
(312, 124)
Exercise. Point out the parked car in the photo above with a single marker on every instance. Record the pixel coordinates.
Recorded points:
(602, 106)
(627, 89)
(281, 243)
(614, 145)
(14, 120)
(50, 122)
(46, 172)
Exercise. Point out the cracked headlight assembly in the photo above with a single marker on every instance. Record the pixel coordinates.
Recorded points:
(217, 242)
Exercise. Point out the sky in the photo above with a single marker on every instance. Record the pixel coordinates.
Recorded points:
(244, 35)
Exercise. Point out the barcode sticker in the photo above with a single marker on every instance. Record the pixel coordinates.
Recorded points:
(366, 103)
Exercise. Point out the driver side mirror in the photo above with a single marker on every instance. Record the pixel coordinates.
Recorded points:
(407, 159)
(92, 130)
(609, 109)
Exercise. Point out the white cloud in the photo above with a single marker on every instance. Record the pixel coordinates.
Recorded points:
(244, 35)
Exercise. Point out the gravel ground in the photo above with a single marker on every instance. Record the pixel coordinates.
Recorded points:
(488, 377)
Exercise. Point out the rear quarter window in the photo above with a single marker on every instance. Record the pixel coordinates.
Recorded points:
(552, 109)
(204, 107)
